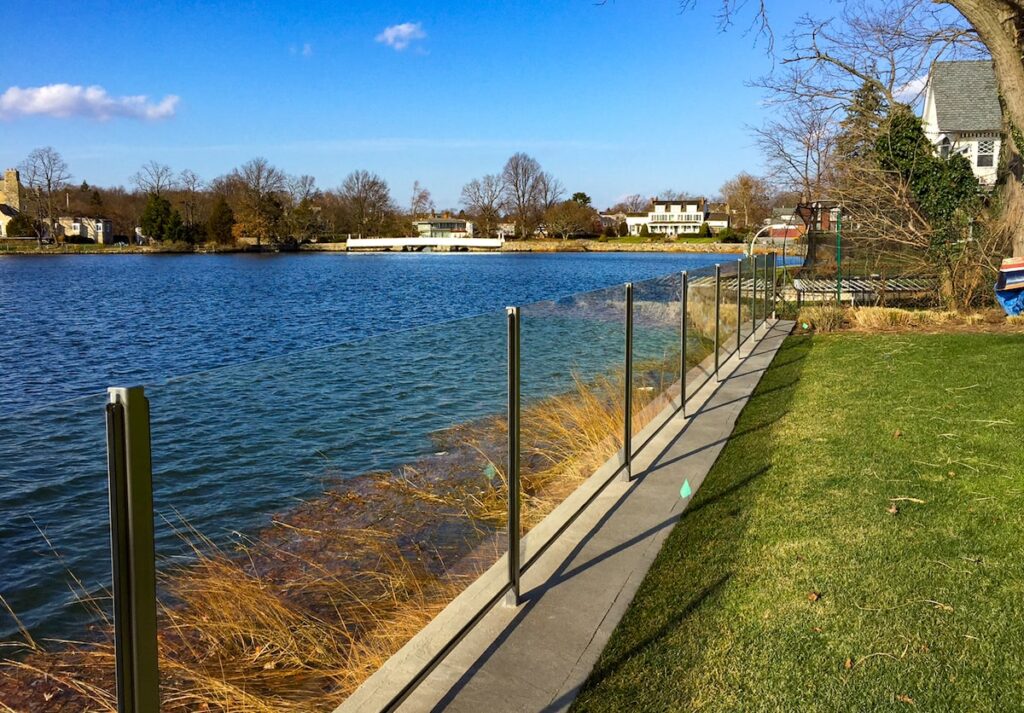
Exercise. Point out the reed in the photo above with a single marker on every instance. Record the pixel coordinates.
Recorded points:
(302, 612)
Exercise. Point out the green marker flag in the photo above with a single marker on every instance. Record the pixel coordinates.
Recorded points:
(685, 492)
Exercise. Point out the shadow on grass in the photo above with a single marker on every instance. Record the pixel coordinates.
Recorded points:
(661, 637)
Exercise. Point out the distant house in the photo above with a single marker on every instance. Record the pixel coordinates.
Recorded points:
(820, 216)
(10, 199)
(611, 220)
(785, 223)
(962, 114)
(670, 217)
(97, 230)
(444, 227)
(718, 221)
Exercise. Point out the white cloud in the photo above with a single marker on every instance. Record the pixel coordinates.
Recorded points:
(911, 91)
(307, 50)
(401, 36)
(70, 100)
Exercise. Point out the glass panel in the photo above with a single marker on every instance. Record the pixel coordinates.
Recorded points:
(656, 324)
(727, 313)
(572, 367)
(700, 328)
(319, 509)
(55, 558)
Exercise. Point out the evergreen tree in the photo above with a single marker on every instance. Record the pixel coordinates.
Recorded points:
(859, 129)
(222, 219)
(155, 217)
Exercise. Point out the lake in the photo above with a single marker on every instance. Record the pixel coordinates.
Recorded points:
(268, 376)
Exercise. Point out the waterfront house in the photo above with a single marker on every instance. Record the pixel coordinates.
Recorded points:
(444, 226)
(682, 216)
(718, 221)
(962, 114)
(785, 223)
(97, 230)
(10, 199)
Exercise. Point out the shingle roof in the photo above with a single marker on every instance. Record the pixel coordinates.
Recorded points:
(966, 96)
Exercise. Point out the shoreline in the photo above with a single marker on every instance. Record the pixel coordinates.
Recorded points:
(511, 246)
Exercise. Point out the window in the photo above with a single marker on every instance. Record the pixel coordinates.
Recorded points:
(986, 153)
(944, 147)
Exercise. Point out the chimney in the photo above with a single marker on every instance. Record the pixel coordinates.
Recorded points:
(12, 189)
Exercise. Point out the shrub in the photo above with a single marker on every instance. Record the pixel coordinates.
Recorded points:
(644, 230)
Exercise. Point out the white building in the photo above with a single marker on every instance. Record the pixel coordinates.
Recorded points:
(444, 227)
(683, 216)
(962, 114)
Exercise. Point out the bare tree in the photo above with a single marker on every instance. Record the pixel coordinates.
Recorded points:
(482, 198)
(368, 200)
(569, 218)
(634, 203)
(261, 186)
(45, 174)
(749, 196)
(192, 188)
(550, 190)
(301, 189)
(154, 178)
(522, 188)
(798, 148)
(421, 202)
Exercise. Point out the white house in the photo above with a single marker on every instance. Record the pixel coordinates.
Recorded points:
(444, 227)
(670, 217)
(962, 114)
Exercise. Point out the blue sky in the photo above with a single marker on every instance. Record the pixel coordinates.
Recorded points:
(632, 96)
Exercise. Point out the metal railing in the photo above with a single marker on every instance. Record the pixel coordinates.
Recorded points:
(131, 490)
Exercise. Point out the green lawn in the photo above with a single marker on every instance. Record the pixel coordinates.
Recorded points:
(804, 577)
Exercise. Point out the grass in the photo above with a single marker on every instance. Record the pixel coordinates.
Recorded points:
(830, 317)
(857, 546)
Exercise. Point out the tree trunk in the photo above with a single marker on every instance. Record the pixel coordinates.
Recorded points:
(999, 24)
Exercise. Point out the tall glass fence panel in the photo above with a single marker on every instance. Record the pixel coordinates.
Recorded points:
(749, 297)
(656, 348)
(573, 394)
(316, 511)
(728, 318)
(700, 328)
(56, 623)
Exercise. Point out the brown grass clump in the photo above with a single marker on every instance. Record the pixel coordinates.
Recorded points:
(823, 318)
(304, 611)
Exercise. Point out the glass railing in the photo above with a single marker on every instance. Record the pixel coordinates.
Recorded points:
(55, 571)
(656, 348)
(313, 512)
(573, 394)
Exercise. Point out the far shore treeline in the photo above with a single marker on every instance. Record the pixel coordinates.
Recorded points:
(258, 203)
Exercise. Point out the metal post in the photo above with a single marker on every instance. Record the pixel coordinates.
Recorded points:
(764, 314)
(682, 342)
(775, 280)
(514, 548)
(739, 306)
(753, 296)
(132, 553)
(718, 313)
(627, 443)
(839, 255)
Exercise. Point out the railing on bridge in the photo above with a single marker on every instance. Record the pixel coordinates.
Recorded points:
(311, 519)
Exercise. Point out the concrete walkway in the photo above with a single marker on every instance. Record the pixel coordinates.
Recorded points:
(535, 657)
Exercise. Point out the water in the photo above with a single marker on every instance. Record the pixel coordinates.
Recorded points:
(266, 381)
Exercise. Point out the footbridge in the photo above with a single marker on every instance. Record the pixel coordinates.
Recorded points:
(421, 243)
